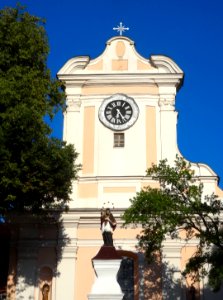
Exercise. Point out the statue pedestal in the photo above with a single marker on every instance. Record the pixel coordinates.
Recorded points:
(106, 264)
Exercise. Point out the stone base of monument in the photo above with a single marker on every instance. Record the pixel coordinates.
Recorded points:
(106, 265)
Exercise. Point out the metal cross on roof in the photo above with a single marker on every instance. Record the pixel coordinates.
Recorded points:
(120, 28)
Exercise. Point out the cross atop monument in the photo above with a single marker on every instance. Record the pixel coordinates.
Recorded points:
(120, 28)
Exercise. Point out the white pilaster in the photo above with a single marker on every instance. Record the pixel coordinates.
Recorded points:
(66, 274)
(171, 271)
(72, 122)
(66, 257)
(168, 122)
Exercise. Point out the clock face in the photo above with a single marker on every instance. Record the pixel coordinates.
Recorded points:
(118, 112)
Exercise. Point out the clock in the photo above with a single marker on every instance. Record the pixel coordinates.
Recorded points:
(118, 112)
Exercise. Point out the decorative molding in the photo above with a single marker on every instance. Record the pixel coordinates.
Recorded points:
(69, 220)
(100, 79)
(164, 102)
(73, 64)
(69, 252)
(166, 63)
(73, 104)
(124, 38)
(167, 102)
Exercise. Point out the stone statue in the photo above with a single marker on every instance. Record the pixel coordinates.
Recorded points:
(108, 225)
(45, 291)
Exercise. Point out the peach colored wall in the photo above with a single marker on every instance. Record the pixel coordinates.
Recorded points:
(119, 233)
(87, 190)
(186, 253)
(218, 191)
(152, 280)
(88, 143)
(154, 185)
(89, 233)
(119, 65)
(120, 49)
(126, 233)
(84, 272)
(126, 89)
(151, 148)
(120, 189)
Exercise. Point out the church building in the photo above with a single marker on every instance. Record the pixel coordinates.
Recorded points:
(121, 118)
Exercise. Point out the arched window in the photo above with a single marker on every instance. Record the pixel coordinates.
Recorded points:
(45, 283)
(127, 276)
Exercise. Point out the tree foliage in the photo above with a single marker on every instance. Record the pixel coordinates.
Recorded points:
(36, 170)
(179, 206)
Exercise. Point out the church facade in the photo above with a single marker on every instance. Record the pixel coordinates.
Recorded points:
(121, 118)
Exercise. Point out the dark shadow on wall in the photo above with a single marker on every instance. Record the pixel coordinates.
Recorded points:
(163, 277)
(34, 244)
(207, 294)
(171, 283)
(4, 258)
(152, 279)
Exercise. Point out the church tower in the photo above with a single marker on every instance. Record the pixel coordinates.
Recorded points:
(121, 118)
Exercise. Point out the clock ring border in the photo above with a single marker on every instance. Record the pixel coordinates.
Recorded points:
(120, 127)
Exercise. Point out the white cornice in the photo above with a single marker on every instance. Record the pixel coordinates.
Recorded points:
(118, 37)
(114, 75)
(161, 61)
(73, 64)
(81, 80)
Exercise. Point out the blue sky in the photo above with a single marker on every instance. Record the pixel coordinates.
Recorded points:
(190, 32)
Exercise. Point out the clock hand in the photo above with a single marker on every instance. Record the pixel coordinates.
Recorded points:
(119, 113)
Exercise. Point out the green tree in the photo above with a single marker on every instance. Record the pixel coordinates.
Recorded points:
(36, 170)
(179, 205)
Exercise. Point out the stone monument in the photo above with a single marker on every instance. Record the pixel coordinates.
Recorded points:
(106, 264)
